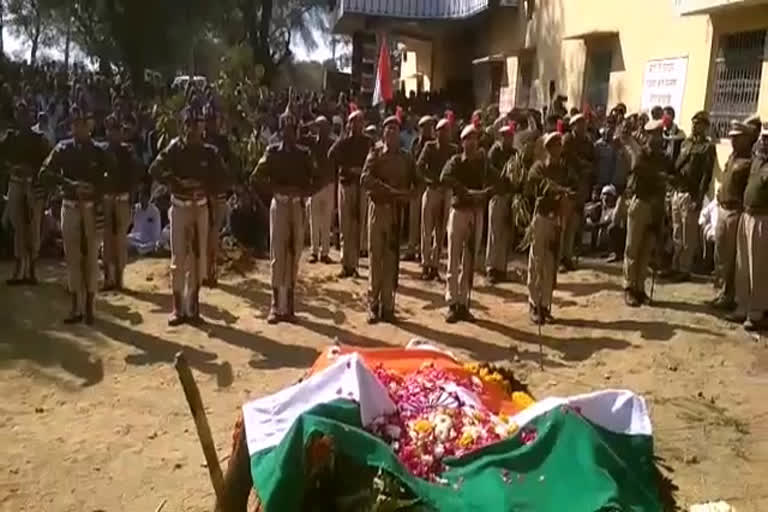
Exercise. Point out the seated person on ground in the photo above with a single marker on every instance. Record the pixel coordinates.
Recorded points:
(606, 224)
(144, 237)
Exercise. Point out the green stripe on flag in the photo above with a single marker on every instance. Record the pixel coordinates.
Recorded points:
(572, 465)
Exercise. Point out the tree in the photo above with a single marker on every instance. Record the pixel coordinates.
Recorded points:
(269, 27)
(2, 28)
(137, 34)
(32, 20)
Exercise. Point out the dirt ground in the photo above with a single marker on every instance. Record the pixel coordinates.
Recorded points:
(93, 419)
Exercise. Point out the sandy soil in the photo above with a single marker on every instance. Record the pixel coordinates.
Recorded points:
(93, 419)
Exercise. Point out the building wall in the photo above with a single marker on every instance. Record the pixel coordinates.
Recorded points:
(647, 30)
(419, 61)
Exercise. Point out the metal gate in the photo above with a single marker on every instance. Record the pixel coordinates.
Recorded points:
(738, 70)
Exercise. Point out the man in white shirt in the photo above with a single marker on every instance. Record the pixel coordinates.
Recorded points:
(145, 234)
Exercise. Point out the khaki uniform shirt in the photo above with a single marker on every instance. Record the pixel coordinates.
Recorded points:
(71, 162)
(386, 170)
(286, 170)
(695, 166)
(22, 153)
(182, 161)
(756, 193)
(463, 174)
(127, 172)
(432, 159)
(730, 195)
(348, 155)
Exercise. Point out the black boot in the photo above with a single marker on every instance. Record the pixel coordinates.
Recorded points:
(535, 314)
(291, 314)
(630, 299)
(273, 316)
(74, 316)
(194, 308)
(465, 314)
(89, 308)
(32, 278)
(119, 280)
(177, 315)
(373, 314)
(453, 315)
(17, 278)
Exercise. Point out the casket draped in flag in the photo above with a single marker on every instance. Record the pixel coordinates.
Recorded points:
(454, 437)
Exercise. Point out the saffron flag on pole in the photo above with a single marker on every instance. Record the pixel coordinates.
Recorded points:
(581, 454)
(382, 91)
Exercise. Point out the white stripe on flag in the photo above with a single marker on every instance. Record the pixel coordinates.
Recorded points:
(268, 419)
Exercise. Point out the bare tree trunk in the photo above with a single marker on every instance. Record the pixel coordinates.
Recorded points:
(35, 44)
(2, 29)
(68, 41)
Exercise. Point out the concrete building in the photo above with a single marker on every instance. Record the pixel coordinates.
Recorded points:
(691, 54)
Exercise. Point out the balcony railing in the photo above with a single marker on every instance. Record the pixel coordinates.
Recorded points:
(413, 9)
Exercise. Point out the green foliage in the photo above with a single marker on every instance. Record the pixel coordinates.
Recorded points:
(238, 89)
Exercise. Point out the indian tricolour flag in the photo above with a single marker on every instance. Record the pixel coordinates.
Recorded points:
(592, 452)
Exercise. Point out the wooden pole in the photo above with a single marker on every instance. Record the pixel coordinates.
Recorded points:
(192, 393)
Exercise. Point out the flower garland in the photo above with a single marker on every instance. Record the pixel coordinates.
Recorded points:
(437, 417)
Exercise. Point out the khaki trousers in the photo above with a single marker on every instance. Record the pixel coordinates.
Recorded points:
(349, 222)
(117, 218)
(26, 217)
(685, 231)
(218, 210)
(286, 241)
(498, 233)
(384, 243)
(465, 226)
(752, 266)
(542, 261)
(320, 215)
(572, 226)
(435, 208)
(414, 223)
(81, 249)
(364, 202)
(189, 243)
(641, 241)
(726, 234)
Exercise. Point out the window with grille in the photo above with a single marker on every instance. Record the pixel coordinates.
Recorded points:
(738, 71)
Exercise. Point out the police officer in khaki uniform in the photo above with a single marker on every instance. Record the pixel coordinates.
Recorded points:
(545, 188)
(694, 168)
(426, 134)
(190, 168)
(119, 186)
(287, 170)
(498, 208)
(645, 214)
(22, 151)
(389, 176)
(752, 245)
(436, 199)
(217, 202)
(321, 203)
(79, 167)
(579, 155)
(730, 200)
(467, 175)
(347, 156)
